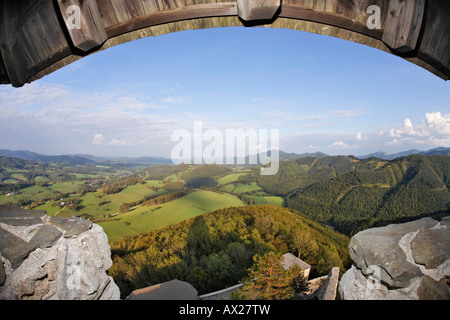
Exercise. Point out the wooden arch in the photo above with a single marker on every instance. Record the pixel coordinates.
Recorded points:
(38, 37)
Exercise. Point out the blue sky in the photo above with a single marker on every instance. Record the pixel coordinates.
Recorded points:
(322, 93)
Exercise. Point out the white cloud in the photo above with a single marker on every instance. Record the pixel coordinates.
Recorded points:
(339, 144)
(408, 130)
(436, 121)
(277, 114)
(345, 114)
(311, 118)
(359, 136)
(434, 130)
(127, 101)
(172, 100)
(115, 142)
(55, 119)
(98, 139)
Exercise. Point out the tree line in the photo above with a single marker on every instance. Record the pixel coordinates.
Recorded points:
(119, 186)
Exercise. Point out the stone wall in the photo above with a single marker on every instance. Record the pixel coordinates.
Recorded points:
(47, 257)
(408, 261)
(322, 288)
(224, 294)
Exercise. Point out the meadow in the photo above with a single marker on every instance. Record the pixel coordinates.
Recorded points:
(230, 184)
(98, 205)
(143, 219)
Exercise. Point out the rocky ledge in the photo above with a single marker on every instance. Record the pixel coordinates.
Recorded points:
(400, 261)
(48, 257)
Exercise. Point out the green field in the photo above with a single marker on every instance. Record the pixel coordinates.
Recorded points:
(65, 187)
(228, 188)
(243, 188)
(34, 192)
(232, 177)
(142, 219)
(277, 201)
(49, 208)
(91, 201)
(240, 187)
(18, 176)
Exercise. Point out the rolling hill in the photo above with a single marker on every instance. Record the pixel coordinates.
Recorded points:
(214, 250)
(357, 194)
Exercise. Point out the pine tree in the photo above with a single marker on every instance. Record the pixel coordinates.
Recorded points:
(268, 279)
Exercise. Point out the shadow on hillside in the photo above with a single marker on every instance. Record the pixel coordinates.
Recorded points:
(208, 262)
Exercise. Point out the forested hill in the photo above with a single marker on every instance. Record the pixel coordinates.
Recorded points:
(214, 251)
(352, 194)
(303, 172)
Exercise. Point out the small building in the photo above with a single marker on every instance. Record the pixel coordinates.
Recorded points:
(289, 260)
(170, 290)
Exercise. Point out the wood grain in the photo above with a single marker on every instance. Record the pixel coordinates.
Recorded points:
(251, 10)
(91, 32)
(35, 39)
(403, 24)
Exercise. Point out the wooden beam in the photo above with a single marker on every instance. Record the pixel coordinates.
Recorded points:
(403, 24)
(31, 38)
(340, 21)
(83, 22)
(434, 47)
(205, 10)
(251, 10)
(3, 74)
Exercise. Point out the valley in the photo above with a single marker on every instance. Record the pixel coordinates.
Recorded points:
(343, 192)
(203, 222)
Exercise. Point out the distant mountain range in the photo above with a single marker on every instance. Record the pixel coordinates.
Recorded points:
(86, 159)
(386, 156)
(284, 156)
(83, 159)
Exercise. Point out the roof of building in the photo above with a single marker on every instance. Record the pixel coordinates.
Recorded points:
(290, 260)
(170, 290)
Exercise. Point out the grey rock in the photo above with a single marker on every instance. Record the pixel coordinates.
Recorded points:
(45, 237)
(58, 258)
(16, 248)
(29, 221)
(329, 289)
(399, 261)
(2, 274)
(70, 226)
(354, 285)
(433, 290)
(379, 246)
(431, 247)
(16, 216)
(13, 248)
(11, 211)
